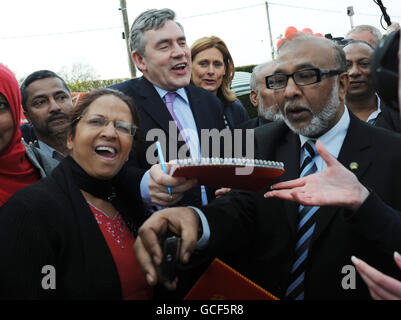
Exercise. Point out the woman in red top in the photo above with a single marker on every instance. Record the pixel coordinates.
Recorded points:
(71, 235)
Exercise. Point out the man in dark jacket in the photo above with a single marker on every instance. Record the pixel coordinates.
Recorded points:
(262, 98)
(300, 251)
(361, 97)
(168, 106)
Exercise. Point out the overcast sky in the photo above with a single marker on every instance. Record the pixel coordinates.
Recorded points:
(51, 34)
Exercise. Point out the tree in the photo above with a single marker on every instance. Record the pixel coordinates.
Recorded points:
(78, 72)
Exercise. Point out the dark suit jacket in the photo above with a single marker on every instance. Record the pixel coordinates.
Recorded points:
(265, 229)
(235, 113)
(388, 119)
(252, 123)
(153, 113)
(28, 134)
(50, 223)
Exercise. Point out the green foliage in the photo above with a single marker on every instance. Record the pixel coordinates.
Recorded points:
(85, 86)
(246, 68)
(246, 102)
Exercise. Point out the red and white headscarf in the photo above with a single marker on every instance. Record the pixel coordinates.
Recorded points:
(16, 171)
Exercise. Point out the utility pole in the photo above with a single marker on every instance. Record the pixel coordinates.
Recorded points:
(270, 30)
(350, 14)
(123, 8)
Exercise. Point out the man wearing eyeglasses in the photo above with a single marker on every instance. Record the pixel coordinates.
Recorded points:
(298, 252)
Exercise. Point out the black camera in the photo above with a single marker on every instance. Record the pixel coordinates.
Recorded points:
(171, 249)
(339, 40)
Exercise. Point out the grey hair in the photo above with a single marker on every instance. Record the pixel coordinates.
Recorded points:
(152, 19)
(339, 60)
(255, 72)
(359, 41)
(365, 27)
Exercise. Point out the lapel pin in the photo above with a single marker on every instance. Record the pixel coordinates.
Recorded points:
(354, 165)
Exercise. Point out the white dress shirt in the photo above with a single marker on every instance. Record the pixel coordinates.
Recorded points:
(184, 114)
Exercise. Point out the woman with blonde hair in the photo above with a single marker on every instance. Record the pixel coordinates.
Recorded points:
(213, 69)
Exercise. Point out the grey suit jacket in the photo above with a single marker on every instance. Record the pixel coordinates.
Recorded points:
(40, 160)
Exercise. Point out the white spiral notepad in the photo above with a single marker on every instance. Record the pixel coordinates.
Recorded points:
(237, 173)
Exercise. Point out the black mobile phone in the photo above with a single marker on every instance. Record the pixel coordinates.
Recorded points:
(171, 249)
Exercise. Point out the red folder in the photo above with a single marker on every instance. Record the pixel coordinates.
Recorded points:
(221, 173)
(221, 282)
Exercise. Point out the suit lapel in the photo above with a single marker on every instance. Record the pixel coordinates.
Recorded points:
(355, 154)
(276, 142)
(153, 105)
(201, 118)
(290, 149)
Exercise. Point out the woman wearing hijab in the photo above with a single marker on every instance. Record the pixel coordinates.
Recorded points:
(71, 235)
(213, 70)
(20, 165)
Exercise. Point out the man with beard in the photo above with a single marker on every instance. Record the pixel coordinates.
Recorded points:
(348, 191)
(262, 98)
(47, 103)
(298, 252)
(361, 96)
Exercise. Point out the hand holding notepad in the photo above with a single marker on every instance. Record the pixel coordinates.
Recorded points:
(244, 174)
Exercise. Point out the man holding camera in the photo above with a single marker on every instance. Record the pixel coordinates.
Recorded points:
(298, 252)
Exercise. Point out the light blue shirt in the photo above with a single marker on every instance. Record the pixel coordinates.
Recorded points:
(375, 113)
(332, 140)
(184, 114)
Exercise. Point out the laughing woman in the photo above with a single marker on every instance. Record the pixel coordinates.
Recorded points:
(70, 235)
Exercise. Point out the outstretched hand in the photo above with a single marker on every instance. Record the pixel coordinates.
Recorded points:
(334, 186)
(381, 287)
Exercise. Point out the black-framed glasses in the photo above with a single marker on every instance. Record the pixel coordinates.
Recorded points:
(98, 121)
(301, 78)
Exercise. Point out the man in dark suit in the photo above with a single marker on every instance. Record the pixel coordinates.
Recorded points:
(299, 252)
(361, 96)
(262, 98)
(312, 190)
(160, 52)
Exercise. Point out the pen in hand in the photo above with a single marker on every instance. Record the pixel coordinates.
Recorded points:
(162, 163)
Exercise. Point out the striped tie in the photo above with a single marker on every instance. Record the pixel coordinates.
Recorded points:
(306, 226)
